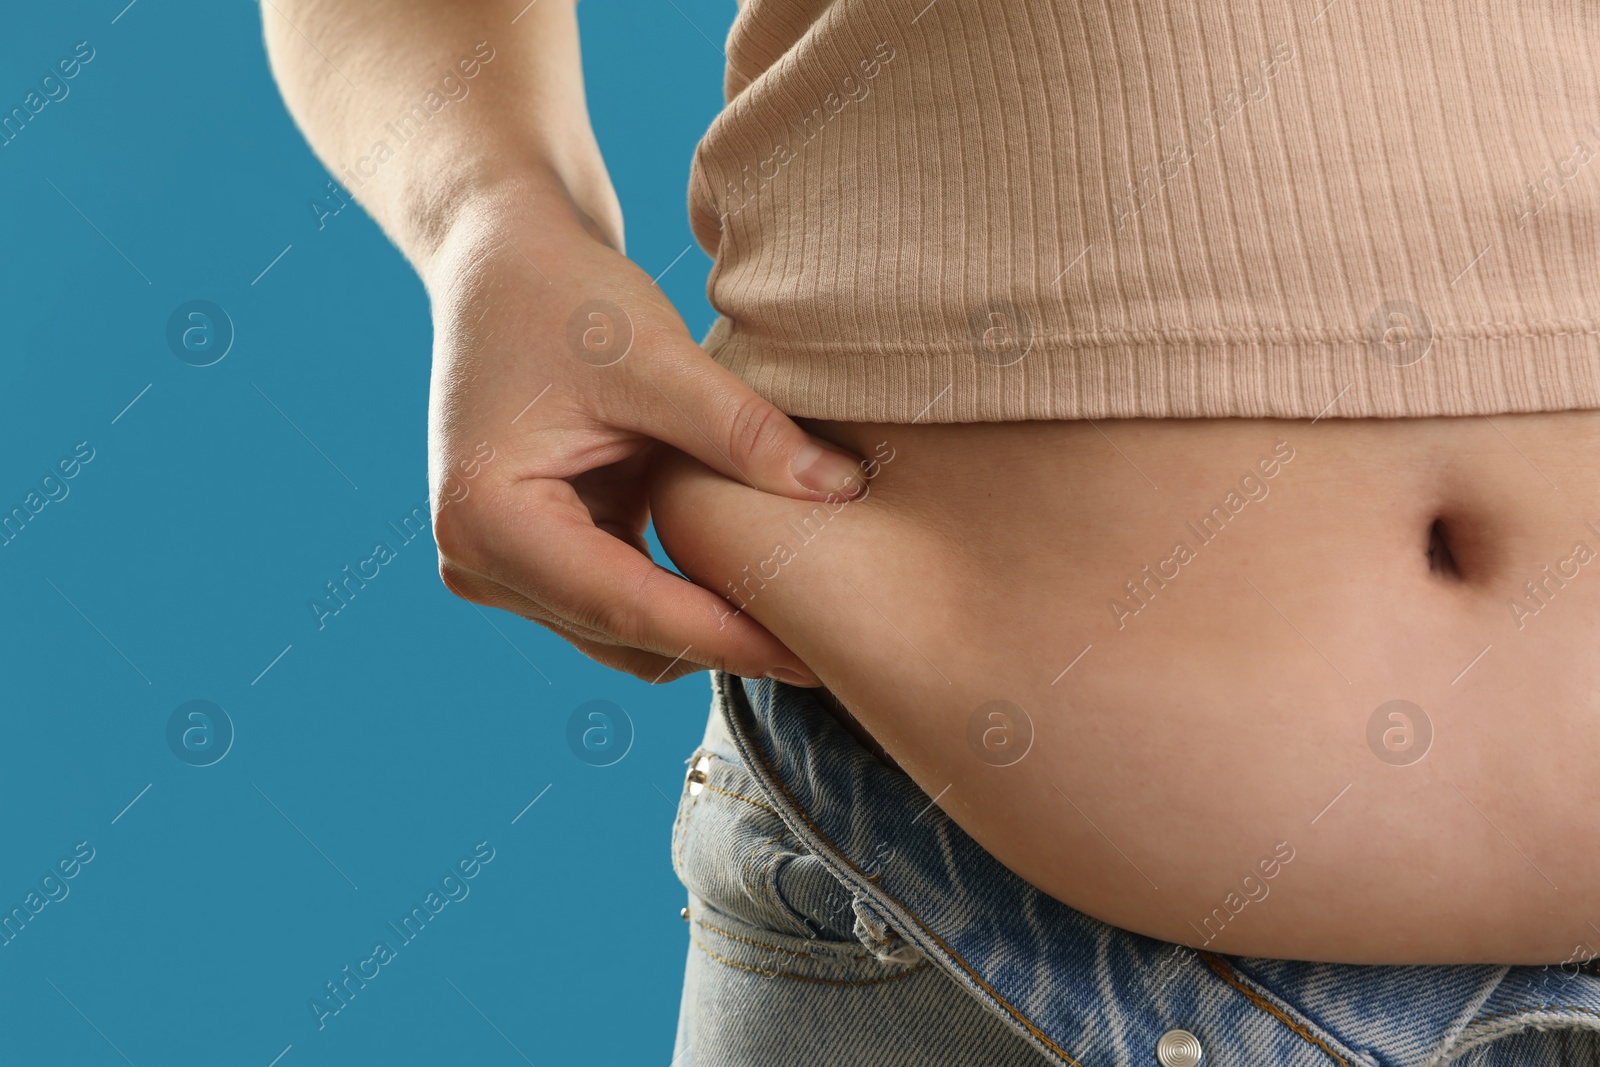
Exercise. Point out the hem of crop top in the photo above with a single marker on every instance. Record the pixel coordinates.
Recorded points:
(1474, 370)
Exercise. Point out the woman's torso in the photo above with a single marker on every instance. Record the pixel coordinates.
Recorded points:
(1202, 625)
(1285, 258)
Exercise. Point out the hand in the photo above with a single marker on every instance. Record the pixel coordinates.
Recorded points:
(558, 367)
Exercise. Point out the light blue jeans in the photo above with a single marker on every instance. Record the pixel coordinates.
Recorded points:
(837, 917)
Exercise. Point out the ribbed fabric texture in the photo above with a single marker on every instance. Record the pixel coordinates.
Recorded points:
(995, 210)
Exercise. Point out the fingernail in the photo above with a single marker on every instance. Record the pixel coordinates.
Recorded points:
(826, 471)
(784, 674)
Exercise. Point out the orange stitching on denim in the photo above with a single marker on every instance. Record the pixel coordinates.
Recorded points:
(775, 948)
(808, 978)
(747, 800)
(754, 944)
(1225, 972)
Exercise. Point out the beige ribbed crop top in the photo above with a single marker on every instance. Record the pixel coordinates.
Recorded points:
(992, 210)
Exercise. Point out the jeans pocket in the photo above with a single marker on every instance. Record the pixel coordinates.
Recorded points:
(759, 900)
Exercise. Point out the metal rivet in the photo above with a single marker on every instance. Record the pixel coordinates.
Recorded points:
(697, 775)
(684, 914)
(1179, 1048)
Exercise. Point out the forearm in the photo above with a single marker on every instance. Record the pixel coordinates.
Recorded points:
(368, 88)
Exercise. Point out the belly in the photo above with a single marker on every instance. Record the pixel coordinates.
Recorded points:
(1312, 690)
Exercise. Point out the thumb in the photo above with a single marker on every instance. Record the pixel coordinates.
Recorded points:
(710, 413)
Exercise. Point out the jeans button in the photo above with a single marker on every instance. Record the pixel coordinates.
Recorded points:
(1179, 1048)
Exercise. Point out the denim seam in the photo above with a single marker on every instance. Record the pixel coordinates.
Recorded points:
(1537, 1007)
(856, 956)
(756, 944)
(1485, 1035)
(805, 977)
(1225, 972)
(747, 800)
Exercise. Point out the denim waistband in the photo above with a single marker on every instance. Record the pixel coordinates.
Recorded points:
(1093, 995)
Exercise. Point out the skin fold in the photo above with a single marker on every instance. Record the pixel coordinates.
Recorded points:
(1214, 757)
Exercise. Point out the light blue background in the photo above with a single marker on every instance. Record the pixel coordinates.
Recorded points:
(182, 561)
